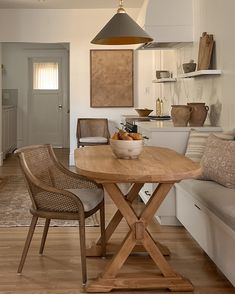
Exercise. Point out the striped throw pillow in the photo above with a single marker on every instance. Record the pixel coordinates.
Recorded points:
(197, 142)
(230, 133)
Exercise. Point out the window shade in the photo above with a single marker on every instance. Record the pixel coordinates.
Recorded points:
(45, 76)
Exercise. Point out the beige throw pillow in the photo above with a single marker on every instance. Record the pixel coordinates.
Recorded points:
(197, 143)
(218, 161)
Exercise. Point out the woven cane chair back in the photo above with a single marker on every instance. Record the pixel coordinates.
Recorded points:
(41, 168)
(92, 128)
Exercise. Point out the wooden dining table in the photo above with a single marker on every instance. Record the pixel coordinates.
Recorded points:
(155, 165)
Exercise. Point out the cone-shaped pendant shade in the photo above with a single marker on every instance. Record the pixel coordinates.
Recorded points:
(121, 30)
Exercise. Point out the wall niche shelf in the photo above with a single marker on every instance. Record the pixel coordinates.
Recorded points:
(165, 80)
(203, 72)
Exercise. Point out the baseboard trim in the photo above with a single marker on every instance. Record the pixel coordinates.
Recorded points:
(1, 158)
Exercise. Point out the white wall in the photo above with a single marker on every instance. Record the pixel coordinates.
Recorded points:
(214, 17)
(144, 74)
(76, 27)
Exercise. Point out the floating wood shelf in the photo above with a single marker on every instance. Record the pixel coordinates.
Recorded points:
(166, 80)
(203, 72)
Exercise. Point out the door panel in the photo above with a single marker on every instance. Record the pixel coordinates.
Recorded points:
(45, 108)
(45, 124)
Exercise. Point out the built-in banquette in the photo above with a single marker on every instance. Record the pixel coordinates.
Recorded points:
(206, 208)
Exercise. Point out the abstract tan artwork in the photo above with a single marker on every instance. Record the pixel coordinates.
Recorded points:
(111, 78)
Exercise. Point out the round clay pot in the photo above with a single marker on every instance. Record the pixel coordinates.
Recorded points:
(189, 67)
(180, 115)
(198, 115)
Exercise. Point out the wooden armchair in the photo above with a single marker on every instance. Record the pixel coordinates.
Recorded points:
(57, 193)
(92, 131)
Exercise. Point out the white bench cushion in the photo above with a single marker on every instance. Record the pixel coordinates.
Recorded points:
(217, 198)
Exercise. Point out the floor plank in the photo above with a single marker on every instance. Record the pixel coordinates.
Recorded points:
(58, 270)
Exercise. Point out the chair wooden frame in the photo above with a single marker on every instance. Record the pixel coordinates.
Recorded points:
(35, 184)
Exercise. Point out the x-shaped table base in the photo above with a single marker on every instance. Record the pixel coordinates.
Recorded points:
(138, 235)
(95, 249)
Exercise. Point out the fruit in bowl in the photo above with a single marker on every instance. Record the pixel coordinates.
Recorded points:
(126, 145)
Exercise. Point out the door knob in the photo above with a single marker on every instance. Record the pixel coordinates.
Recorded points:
(60, 106)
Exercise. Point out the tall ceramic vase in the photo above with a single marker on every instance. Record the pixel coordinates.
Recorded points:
(215, 112)
(180, 115)
(198, 115)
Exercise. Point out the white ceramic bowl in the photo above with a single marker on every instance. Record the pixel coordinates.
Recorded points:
(126, 149)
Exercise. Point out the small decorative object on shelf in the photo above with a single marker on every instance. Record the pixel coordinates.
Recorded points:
(189, 67)
(215, 112)
(158, 107)
(163, 74)
(180, 115)
(198, 114)
(206, 45)
(161, 107)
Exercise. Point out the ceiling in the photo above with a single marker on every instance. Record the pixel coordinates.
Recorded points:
(67, 4)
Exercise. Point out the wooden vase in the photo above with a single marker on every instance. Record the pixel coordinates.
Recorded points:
(180, 115)
(198, 115)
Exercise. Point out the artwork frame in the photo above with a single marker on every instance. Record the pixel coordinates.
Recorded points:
(111, 78)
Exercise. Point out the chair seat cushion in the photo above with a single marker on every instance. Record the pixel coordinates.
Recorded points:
(89, 197)
(93, 140)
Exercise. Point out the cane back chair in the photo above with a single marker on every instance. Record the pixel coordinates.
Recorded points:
(92, 131)
(57, 193)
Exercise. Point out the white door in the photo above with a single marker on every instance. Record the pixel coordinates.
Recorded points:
(46, 101)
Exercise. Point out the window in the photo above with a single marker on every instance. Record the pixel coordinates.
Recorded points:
(45, 76)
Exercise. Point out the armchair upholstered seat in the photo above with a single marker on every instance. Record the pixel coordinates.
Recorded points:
(92, 131)
(90, 198)
(57, 193)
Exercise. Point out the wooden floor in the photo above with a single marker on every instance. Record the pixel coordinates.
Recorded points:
(58, 271)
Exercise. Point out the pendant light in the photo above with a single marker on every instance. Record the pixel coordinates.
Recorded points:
(121, 30)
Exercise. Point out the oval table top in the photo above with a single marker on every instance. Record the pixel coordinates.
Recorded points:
(155, 165)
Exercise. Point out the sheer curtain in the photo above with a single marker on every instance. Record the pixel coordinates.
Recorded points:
(45, 76)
